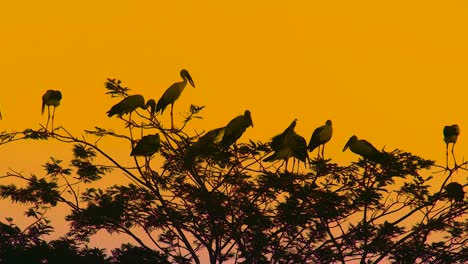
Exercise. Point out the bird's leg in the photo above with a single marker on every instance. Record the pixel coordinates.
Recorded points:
(323, 150)
(446, 155)
(294, 165)
(453, 155)
(286, 167)
(53, 115)
(172, 118)
(48, 116)
(318, 153)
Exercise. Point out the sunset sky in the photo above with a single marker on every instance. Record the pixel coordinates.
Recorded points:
(391, 72)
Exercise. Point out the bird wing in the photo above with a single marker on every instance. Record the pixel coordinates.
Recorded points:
(315, 138)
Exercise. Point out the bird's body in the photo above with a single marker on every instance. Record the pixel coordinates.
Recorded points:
(288, 144)
(173, 93)
(147, 146)
(51, 98)
(321, 135)
(130, 104)
(363, 148)
(235, 128)
(205, 146)
(451, 134)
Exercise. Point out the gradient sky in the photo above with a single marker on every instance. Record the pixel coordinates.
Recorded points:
(392, 72)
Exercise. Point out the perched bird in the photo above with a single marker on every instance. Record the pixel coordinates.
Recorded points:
(130, 104)
(205, 146)
(173, 93)
(450, 136)
(321, 136)
(235, 128)
(363, 148)
(147, 146)
(278, 140)
(288, 144)
(51, 98)
(454, 191)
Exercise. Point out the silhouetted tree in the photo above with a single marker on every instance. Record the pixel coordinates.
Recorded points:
(194, 197)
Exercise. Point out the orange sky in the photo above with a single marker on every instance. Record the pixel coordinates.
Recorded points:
(392, 72)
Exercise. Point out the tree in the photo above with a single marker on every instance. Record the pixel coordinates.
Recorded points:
(229, 205)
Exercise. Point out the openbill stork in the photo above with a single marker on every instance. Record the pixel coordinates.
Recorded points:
(235, 128)
(130, 104)
(147, 146)
(205, 146)
(450, 136)
(363, 148)
(173, 93)
(278, 140)
(51, 98)
(294, 146)
(321, 135)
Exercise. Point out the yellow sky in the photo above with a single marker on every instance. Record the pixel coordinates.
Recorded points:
(392, 72)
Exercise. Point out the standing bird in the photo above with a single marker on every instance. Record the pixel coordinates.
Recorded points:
(278, 140)
(450, 136)
(235, 128)
(147, 146)
(363, 148)
(173, 93)
(321, 135)
(130, 104)
(294, 146)
(51, 98)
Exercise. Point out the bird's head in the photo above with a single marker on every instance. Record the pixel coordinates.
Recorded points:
(248, 118)
(186, 75)
(152, 105)
(350, 141)
(328, 123)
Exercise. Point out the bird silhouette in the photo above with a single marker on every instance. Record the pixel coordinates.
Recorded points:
(51, 98)
(173, 93)
(454, 190)
(205, 146)
(288, 144)
(450, 136)
(130, 104)
(147, 146)
(363, 148)
(235, 128)
(321, 135)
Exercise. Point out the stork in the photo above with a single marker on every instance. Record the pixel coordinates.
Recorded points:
(278, 140)
(130, 104)
(300, 149)
(321, 136)
(173, 93)
(205, 145)
(363, 148)
(51, 98)
(293, 145)
(235, 128)
(147, 146)
(450, 136)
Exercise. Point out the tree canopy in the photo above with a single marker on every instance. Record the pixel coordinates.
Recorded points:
(199, 200)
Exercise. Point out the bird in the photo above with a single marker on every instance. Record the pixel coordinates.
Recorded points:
(130, 104)
(235, 128)
(451, 134)
(51, 98)
(173, 93)
(205, 146)
(321, 135)
(363, 148)
(288, 144)
(147, 146)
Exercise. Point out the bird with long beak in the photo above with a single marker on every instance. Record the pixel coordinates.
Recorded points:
(363, 148)
(173, 93)
(451, 134)
(130, 104)
(321, 135)
(235, 128)
(51, 98)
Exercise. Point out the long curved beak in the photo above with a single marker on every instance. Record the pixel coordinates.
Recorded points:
(190, 80)
(346, 146)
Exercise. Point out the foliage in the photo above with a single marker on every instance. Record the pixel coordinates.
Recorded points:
(229, 205)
